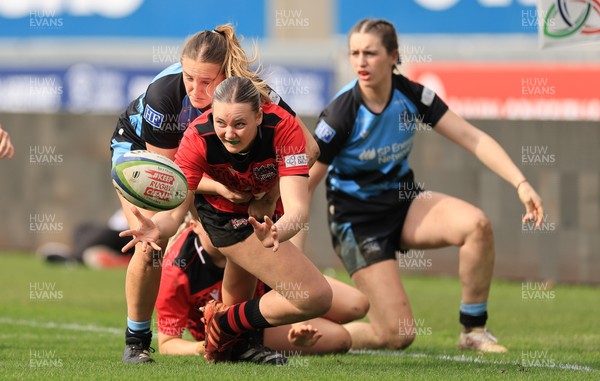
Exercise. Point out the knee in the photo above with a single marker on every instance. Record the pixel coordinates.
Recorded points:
(403, 342)
(345, 342)
(362, 306)
(359, 307)
(317, 301)
(394, 337)
(481, 228)
(322, 300)
(399, 340)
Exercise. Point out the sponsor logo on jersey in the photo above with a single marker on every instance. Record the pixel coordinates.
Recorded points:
(297, 160)
(153, 117)
(265, 172)
(324, 131)
(427, 96)
(367, 154)
(238, 222)
(275, 98)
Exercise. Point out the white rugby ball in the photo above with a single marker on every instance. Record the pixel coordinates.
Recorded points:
(149, 180)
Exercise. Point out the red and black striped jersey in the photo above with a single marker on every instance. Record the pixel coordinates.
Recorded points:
(279, 149)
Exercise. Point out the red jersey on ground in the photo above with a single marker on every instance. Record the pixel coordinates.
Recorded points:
(189, 280)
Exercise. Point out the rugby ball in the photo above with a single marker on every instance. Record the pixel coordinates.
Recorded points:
(149, 180)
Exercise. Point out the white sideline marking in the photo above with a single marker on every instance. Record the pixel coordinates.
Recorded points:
(463, 358)
(67, 326)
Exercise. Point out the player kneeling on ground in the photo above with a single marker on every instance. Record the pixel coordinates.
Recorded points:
(192, 276)
(377, 209)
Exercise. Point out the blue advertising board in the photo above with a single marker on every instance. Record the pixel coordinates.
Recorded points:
(179, 18)
(84, 87)
(444, 16)
(127, 18)
(78, 88)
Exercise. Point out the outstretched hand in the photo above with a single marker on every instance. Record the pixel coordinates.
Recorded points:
(534, 211)
(6, 148)
(147, 233)
(266, 232)
(303, 335)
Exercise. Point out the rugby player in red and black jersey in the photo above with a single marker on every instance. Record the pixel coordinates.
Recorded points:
(156, 121)
(237, 144)
(192, 276)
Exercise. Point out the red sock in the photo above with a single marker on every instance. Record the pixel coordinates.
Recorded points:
(243, 317)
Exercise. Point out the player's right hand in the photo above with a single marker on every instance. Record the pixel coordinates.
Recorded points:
(266, 232)
(147, 233)
(534, 211)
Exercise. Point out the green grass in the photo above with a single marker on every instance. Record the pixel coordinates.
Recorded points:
(558, 329)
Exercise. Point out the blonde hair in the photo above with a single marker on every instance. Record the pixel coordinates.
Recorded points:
(221, 46)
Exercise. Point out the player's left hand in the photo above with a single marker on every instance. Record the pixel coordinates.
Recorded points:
(147, 233)
(266, 232)
(303, 335)
(534, 211)
(6, 148)
(261, 207)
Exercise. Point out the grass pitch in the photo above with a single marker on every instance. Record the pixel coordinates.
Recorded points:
(59, 323)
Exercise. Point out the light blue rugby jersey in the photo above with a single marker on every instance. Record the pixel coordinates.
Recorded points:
(161, 114)
(367, 152)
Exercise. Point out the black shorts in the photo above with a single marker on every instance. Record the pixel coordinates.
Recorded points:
(223, 228)
(367, 232)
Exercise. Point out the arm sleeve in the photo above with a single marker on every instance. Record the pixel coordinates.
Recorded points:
(276, 99)
(431, 106)
(172, 304)
(291, 148)
(333, 128)
(190, 157)
(160, 118)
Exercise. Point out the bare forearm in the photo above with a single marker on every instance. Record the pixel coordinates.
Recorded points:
(492, 155)
(168, 222)
(312, 148)
(480, 144)
(207, 186)
(290, 224)
(179, 346)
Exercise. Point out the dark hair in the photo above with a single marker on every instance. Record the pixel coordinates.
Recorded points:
(382, 28)
(220, 46)
(238, 90)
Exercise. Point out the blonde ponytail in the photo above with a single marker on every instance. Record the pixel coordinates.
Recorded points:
(222, 47)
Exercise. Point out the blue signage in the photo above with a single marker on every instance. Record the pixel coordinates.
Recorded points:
(307, 90)
(78, 88)
(127, 18)
(83, 87)
(444, 16)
